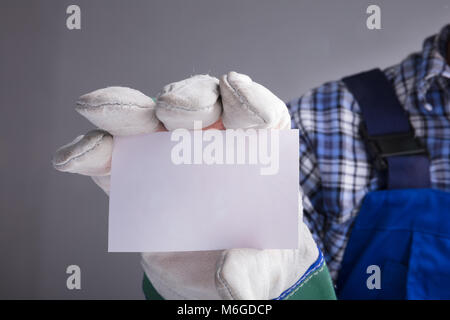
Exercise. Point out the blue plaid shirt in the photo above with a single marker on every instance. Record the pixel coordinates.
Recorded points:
(335, 169)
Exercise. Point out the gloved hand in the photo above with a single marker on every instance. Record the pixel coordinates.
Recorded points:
(234, 101)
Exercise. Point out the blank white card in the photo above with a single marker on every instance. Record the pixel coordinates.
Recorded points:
(204, 190)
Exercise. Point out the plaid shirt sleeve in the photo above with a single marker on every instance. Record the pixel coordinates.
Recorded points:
(335, 173)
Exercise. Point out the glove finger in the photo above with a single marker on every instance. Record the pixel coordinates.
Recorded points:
(88, 154)
(247, 104)
(119, 110)
(194, 99)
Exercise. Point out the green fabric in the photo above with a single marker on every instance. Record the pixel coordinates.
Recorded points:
(318, 286)
(150, 292)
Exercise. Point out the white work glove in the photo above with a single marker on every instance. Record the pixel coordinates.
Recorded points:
(232, 102)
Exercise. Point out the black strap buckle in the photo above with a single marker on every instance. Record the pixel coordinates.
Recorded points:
(399, 144)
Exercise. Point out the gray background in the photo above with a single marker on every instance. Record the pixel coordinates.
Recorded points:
(49, 220)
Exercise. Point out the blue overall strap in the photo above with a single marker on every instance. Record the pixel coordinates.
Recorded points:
(388, 134)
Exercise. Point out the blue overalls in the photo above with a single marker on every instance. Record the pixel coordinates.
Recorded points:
(402, 232)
